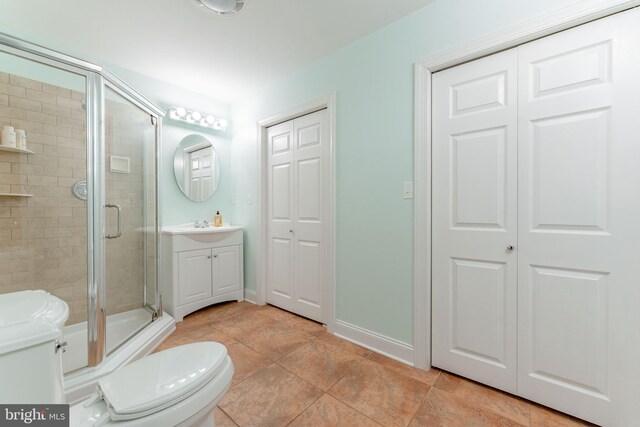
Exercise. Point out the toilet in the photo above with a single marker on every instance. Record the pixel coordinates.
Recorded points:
(175, 387)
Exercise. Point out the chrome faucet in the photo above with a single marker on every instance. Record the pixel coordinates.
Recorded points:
(203, 224)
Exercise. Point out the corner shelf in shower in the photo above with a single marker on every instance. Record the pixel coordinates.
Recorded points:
(16, 195)
(15, 150)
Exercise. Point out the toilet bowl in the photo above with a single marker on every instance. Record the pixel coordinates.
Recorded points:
(175, 387)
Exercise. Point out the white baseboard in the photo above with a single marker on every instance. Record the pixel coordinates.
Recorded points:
(250, 296)
(397, 350)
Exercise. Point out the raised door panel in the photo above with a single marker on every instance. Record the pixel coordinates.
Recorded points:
(478, 179)
(568, 328)
(478, 312)
(569, 170)
(474, 287)
(579, 343)
(309, 280)
(280, 195)
(194, 272)
(309, 182)
(280, 274)
(226, 269)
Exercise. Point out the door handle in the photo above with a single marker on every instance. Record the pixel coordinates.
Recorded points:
(119, 210)
(510, 248)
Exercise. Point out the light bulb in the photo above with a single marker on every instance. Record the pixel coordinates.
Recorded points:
(223, 123)
(180, 111)
(211, 119)
(196, 116)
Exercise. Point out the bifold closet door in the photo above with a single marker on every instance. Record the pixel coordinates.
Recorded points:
(579, 220)
(295, 276)
(474, 220)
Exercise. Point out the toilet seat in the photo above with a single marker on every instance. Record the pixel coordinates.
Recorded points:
(175, 383)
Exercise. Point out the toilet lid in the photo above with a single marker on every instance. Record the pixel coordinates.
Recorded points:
(162, 379)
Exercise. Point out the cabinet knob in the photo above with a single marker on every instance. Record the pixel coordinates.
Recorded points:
(215, 256)
(291, 230)
(209, 257)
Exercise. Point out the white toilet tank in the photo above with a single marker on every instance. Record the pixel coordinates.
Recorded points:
(31, 324)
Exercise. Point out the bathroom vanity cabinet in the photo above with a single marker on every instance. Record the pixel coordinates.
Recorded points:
(201, 267)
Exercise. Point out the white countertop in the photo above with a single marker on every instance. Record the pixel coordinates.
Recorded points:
(190, 229)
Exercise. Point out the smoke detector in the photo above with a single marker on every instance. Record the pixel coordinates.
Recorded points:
(222, 7)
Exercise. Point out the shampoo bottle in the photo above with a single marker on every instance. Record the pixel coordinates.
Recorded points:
(217, 219)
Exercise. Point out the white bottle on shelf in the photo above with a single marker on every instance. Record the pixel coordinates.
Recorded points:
(21, 139)
(8, 136)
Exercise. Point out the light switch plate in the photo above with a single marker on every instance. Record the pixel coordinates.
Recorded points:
(407, 190)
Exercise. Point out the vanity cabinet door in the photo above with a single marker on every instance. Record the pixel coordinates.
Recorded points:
(194, 275)
(226, 269)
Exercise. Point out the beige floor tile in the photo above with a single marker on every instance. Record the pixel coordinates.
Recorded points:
(478, 395)
(246, 362)
(320, 363)
(545, 417)
(344, 344)
(222, 310)
(441, 409)
(276, 313)
(222, 419)
(276, 340)
(330, 412)
(427, 377)
(209, 333)
(271, 397)
(242, 324)
(380, 393)
(361, 391)
(306, 325)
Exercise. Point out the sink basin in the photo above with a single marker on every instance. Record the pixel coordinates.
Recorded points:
(203, 235)
(190, 229)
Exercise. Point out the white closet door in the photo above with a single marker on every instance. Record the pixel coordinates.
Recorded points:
(474, 220)
(280, 286)
(296, 277)
(579, 228)
(309, 277)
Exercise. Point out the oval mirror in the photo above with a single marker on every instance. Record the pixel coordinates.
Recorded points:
(196, 167)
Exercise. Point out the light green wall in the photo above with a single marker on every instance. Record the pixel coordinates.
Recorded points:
(373, 80)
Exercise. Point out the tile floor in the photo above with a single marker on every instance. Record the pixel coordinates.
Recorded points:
(290, 371)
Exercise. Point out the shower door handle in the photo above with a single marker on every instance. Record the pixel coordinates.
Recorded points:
(119, 209)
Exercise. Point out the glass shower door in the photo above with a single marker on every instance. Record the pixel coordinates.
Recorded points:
(130, 219)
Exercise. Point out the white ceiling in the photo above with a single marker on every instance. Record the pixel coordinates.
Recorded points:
(178, 42)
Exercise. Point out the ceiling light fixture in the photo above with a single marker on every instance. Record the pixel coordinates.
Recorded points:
(222, 7)
(193, 117)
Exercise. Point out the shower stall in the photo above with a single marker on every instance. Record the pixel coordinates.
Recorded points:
(79, 213)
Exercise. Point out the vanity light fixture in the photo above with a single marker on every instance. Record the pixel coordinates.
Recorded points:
(197, 118)
(222, 7)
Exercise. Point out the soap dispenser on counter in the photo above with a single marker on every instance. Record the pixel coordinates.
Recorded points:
(217, 219)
